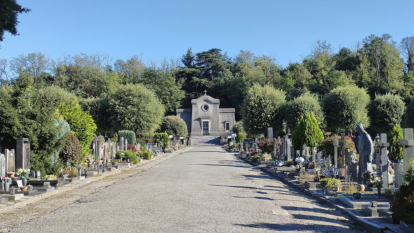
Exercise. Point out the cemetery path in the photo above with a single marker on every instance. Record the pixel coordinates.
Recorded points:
(202, 190)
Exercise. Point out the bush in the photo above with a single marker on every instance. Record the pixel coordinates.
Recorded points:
(240, 138)
(255, 159)
(327, 145)
(262, 108)
(136, 108)
(396, 149)
(266, 145)
(345, 107)
(98, 108)
(174, 125)
(128, 135)
(329, 182)
(125, 155)
(301, 105)
(72, 150)
(146, 155)
(81, 123)
(386, 111)
(409, 115)
(307, 132)
(131, 147)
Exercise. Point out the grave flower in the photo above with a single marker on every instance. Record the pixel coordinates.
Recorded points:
(366, 175)
(299, 160)
(6, 180)
(23, 173)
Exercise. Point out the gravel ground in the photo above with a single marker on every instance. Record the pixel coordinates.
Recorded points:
(202, 190)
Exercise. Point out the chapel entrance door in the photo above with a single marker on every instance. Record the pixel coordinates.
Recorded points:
(205, 128)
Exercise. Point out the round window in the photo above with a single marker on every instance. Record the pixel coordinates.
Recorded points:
(204, 107)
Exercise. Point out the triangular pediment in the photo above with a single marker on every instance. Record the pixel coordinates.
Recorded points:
(205, 98)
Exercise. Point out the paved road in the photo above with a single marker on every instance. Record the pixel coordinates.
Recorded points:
(202, 190)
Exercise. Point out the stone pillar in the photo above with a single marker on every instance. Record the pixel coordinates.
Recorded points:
(122, 143)
(384, 160)
(335, 145)
(23, 153)
(318, 164)
(314, 153)
(288, 145)
(10, 161)
(2, 165)
(270, 132)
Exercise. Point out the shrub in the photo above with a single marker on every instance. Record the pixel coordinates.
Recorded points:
(136, 108)
(125, 155)
(386, 111)
(98, 108)
(344, 107)
(131, 147)
(72, 150)
(329, 182)
(146, 155)
(307, 132)
(162, 138)
(409, 115)
(396, 149)
(262, 108)
(302, 105)
(402, 204)
(174, 125)
(128, 135)
(81, 123)
(327, 145)
(72, 172)
(255, 159)
(240, 138)
(266, 145)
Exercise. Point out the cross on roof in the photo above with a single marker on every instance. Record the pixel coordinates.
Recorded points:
(205, 92)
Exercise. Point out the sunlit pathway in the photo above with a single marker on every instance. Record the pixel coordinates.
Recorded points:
(202, 190)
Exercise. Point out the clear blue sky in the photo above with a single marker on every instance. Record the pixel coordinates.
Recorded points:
(157, 29)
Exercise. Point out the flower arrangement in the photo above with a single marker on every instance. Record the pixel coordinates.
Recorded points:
(266, 157)
(298, 167)
(366, 175)
(84, 164)
(279, 163)
(253, 153)
(6, 180)
(378, 183)
(51, 177)
(299, 160)
(23, 173)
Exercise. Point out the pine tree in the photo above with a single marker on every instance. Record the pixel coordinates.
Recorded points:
(307, 132)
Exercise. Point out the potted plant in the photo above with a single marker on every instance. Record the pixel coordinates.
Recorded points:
(378, 185)
(366, 175)
(23, 174)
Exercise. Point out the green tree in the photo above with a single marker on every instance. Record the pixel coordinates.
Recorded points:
(136, 108)
(344, 107)
(409, 115)
(8, 17)
(394, 138)
(129, 135)
(262, 108)
(307, 132)
(81, 123)
(386, 111)
(238, 127)
(174, 125)
(297, 108)
(98, 108)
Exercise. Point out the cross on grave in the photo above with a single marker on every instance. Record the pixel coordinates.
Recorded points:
(335, 145)
(383, 144)
(342, 144)
(205, 92)
(408, 144)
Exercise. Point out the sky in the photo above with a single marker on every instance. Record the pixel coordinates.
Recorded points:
(155, 29)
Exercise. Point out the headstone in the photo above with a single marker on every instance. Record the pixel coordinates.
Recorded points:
(126, 144)
(408, 144)
(335, 145)
(2, 165)
(329, 161)
(279, 147)
(384, 160)
(398, 174)
(319, 158)
(270, 132)
(314, 153)
(23, 153)
(304, 150)
(274, 147)
(10, 160)
(97, 150)
(342, 145)
(288, 150)
(122, 143)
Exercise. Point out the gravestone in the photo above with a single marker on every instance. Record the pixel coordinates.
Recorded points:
(126, 144)
(398, 174)
(10, 160)
(274, 147)
(329, 161)
(23, 153)
(408, 144)
(314, 153)
(113, 150)
(97, 150)
(335, 145)
(2, 165)
(121, 141)
(384, 160)
(342, 145)
(279, 147)
(270, 132)
(319, 158)
(288, 150)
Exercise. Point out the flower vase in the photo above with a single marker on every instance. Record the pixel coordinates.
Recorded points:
(24, 181)
(6, 187)
(79, 172)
